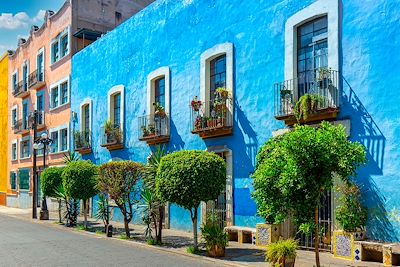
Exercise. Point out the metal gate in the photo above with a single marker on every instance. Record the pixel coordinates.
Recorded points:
(325, 226)
(216, 209)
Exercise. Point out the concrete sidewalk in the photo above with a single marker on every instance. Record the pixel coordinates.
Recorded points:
(177, 241)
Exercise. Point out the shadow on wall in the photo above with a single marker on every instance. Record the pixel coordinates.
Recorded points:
(366, 131)
(176, 143)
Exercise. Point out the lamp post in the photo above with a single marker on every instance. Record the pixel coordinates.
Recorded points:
(42, 143)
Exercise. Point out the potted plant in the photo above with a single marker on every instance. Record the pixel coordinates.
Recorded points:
(108, 127)
(306, 105)
(145, 132)
(152, 129)
(214, 238)
(118, 135)
(159, 110)
(222, 93)
(282, 253)
(195, 104)
(198, 122)
(323, 77)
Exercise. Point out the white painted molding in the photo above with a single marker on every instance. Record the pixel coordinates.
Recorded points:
(86, 101)
(154, 75)
(114, 90)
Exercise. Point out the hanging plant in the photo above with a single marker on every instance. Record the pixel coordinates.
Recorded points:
(306, 105)
(195, 104)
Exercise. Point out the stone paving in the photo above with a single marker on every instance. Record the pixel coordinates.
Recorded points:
(177, 241)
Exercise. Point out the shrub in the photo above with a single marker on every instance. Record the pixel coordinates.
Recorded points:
(188, 177)
(280, 251)
(118, 180)
(50, 182)
(213, 235)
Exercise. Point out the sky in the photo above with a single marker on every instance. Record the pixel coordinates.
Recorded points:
(17, 17)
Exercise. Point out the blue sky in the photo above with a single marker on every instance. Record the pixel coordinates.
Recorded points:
(17, 16)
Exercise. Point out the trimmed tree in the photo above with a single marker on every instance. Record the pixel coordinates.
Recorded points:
(187, 178)
(79, 181)
(118, 180)
(293, 172)
(50, 182)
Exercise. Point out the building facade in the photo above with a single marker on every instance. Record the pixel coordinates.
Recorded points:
(227, 74)
(3, 127)
(39, 79)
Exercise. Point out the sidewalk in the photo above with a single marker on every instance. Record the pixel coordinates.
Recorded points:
(177, 241)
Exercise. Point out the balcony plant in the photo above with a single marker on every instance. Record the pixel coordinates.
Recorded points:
(306, 105)
(282, 253)
(158, 110)
(145, 131)
(214, 238)
(222, 93)
(198, 123)
(195, 104)
(108, 127)
(324, 77)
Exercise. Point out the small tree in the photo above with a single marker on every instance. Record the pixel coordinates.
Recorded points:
(118, 181)
(293, 171)
(79, 180)
(50, 181)
(189, 177)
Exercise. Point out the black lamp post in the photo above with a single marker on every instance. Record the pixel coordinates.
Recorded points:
(43, 142)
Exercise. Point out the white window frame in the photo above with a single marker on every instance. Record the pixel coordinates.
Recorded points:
(58, 86)
(329, 8)
(16, 180)
(85, 102)
(151, 78)
(15, 107)
(20, 141)
(113, 91)
(14, 142)
(16, 78)
(25, 63)
(59, 141)
(41, 51)
(205, 59)
(65, 32)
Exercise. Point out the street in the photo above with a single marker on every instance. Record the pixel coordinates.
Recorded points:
(23, 243)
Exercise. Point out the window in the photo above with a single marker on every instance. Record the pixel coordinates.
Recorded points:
(60, 46)
(13, 181)
(15, 81)
(217, 74)
(25, 75)
(86, 118)
(54, 145)
(117, 109)
(39, 152)
(25, 149)
(64, 45)
(25, 115)
(14, 115)
(160, 91)
(64, 93)
(64, 139)
(14, 154)
(40, 107)
(40, 66)
(59, 94)
(54, 52)
(23, 177)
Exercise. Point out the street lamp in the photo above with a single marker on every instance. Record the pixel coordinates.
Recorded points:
(42, 143)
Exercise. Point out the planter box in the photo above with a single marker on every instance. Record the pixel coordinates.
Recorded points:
(345, 246)
(267, 234)
(216, 252)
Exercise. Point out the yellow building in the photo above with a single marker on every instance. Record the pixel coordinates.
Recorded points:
(3, 127)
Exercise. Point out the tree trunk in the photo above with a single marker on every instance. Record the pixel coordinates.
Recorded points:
(127, 232)
(85, 213)
(59, 211)
(160, 223)
(316, 240)
(194, 222)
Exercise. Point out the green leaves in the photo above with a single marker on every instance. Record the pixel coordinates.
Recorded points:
(50, 181)
(295, 169)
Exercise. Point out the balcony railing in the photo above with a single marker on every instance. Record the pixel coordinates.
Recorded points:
(112, 137)
(324, 85)
(20, 89)
(36, 79)
(83, 142)
(21, 126)
(154, 129)
(212, 118)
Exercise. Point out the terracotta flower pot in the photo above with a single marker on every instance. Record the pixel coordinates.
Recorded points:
(216, 252)
(287, 262)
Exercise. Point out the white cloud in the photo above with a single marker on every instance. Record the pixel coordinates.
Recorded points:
(20, 20)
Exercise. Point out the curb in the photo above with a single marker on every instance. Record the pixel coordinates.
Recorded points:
(130, 242)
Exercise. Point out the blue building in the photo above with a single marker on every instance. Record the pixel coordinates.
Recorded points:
(264, 55)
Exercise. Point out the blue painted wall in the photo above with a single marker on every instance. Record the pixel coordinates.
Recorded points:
(175, 33)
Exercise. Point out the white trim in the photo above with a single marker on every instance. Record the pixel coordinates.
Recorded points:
(65, 32)
(25, 63)
(86, 101)
(158, 73)
(114, 90)
(11, 82)
(205, 58)
(58, 129)
(15, 107)
(41, 51)
(14, 142)
(23, 139)
(58, 86)
(315, 10)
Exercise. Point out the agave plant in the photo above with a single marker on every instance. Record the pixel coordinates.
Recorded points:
(70, 157)
(103, 212)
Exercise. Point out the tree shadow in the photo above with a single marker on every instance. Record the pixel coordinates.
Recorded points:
(176, 143)
(365, 131)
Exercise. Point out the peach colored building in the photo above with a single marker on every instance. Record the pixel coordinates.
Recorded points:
(39, 79)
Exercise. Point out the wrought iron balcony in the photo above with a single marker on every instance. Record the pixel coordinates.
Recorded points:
(212, 118)
(36, 80)
(21, 89)
(112, 137)
(21, 126)
(154, 129)
(323, 86)
(83, 144)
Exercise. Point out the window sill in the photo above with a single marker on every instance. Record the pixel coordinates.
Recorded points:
(25, 158)
(58, 107)
(60, 61)
(14, 160)
(58, 152)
